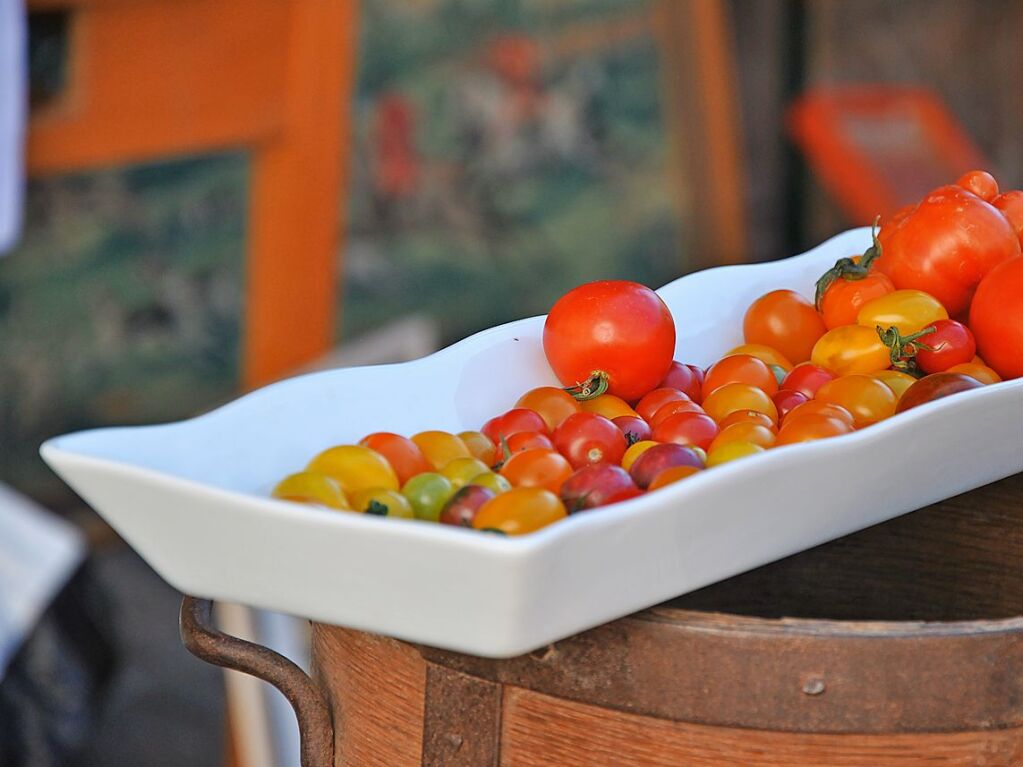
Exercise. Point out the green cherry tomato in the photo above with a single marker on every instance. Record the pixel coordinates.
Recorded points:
(492, 481)
(428, 492)
(383, 502)
(461, 470)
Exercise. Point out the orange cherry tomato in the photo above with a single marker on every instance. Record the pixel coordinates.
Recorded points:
(726, 399)
(732, 451)
(653, 401)
(810, 427)
(747, 416)
(868, 399)
(907, 310)
(895, 380)
(980, 372)
(635, 450)
(553, 404)
(440, 447)
(851, 349)
(674, 408)
(844, 298)
(480, 446)
(820, 407)
(537, 468)
(608, 406)
(766, 354)
(669, 476)
(739, 368)
(784, 320)
(743, 432)
(520, 510)
(403, 454)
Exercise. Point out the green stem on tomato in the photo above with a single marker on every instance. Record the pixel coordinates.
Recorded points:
(591, 388)
(902, 349)
(847, 269)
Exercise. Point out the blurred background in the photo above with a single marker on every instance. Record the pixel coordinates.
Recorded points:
(219, 193)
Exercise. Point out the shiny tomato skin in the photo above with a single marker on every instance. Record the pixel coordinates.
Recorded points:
(463, 506)
(654, 400)
(588, 438)
(621, 328)
(786, 399)
(743, 432)
(686, 429)
(479, 446)
(812, 426)
(950, 344)
(844, 298)
(895, 380)
(763, 353)
(515, 420)
(403, 454)
(748, 416)
(527, 440)
(820, 407)
(981, 183)
(538, 467)
(868, 399)
(946, 246)
(907, 310)
(553, 404)
(440, 447)
(981, 372)
(685, 378)
(669, 409)
(633, 427)
(996, 319)
(1011, 206)
(851, 349)
(784, 320)
(935, 386)
(521, 510)
(671, 476)
(607, 405)
(737, 396)
(660, 457)
(739, 368)
(593, 486)
(806, 378)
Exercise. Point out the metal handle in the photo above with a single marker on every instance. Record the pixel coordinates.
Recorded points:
(207, 643)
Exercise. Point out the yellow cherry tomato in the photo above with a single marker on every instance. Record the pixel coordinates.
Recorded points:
(384, 503)
(907, 310)
(977, 371)
(355, 468)
(608, 406)
(312, 488)
(895, 380)
(461, 470)
(635, 450)
(766, 354)
(851, 349)
(732, 397)
(732, 451)
(480, 446)
(747, 431)
(440, 447)
(868, 399)
(668, 476)
(520, 510)
(492, 481)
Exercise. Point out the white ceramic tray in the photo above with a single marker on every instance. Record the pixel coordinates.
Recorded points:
(191, 497)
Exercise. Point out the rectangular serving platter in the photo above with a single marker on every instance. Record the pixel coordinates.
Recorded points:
(192, 497)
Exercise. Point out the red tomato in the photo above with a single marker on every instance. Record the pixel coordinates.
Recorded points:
(996, 319)
(686, 429)
(807, 379)
(660, 457)
(784, 320)
(946, 246)
(786, 399)
(1011, 205)
(686, 378)
(403, 454)
(621, 331)
(527, 440)
(669, 409)
(515, 420)
(950, 344)
(740, 368)
(537, 468)
(461, 509)
(593, 486)
(981, 183)
(936, 386)
(656, 399)
(635, 429)
(588, 438)
(843, 300)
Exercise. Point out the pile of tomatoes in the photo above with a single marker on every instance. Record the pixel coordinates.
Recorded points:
(898, 326)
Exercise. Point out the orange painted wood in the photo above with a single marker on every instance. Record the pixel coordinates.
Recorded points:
(540, 730)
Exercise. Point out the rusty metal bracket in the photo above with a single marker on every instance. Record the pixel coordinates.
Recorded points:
(207, 643)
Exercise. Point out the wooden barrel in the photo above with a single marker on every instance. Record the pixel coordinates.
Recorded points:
(899, 645)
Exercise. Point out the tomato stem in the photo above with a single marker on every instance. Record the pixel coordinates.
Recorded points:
(591, 388)
(903, 349)
(847, 268)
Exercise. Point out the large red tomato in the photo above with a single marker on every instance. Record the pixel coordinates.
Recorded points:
(619, 331)
(996, 318)
(946, 245)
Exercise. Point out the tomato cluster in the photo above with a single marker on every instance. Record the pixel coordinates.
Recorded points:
(876, 340)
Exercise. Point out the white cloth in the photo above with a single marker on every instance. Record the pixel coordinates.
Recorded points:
(38, 553)
(13, 113)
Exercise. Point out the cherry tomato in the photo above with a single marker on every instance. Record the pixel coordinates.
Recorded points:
(844, 298)
(810, 427)
(383, 503)
(946, 245)
(784, 320)
(593, 486)
(765, 354)
(737, 396)
(820, 407)
(480, 446)
(608, 406)
(537, 468)
(586, 438)
(355, 468)
(427, 493)
(492, 481)
(654, 400)
(807, 378)
(981, 183)
(633, 427)
(996, 318)
(553, 404)
(635, 451)
(786, 399)
(674, 408)
(950, 344)
(621, 330)
(982, 373)
(403, 454)
(440, 447)
(671, 476)
(747, 416)
(739, 368)
(743, 432)
(461, 470)
(907, 310)
(865, 397)
(687, 429)
(732, 451)
(661, 457)
(851, 349)
(515, 420)
(1011, 206)
(936, 386)
(526, 440)
(686, 378)
(464, 505)
(312, 488)
(895, 380)
(520, 510)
